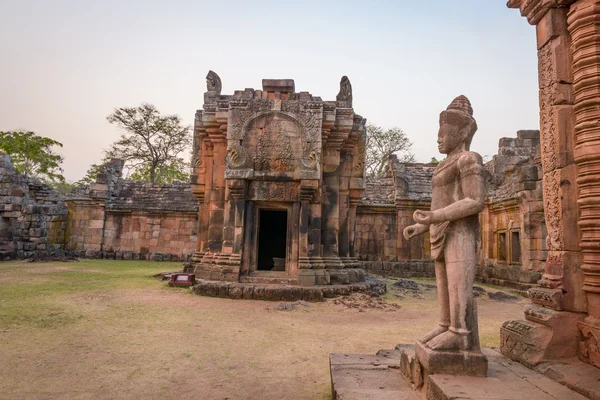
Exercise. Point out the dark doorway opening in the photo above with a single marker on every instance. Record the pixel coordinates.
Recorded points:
(272, 240)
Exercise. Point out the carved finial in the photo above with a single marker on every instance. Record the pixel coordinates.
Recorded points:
(344, 97)
(213, 88)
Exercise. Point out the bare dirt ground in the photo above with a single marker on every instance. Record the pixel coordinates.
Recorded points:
(108, 330)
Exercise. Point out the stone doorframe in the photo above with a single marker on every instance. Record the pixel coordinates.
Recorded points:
(251, 242)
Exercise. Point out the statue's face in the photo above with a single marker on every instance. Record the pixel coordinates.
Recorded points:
(449, 137)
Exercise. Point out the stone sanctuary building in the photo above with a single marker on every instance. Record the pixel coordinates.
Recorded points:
(278, 176)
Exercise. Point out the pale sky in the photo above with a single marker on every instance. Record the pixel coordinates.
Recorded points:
(66, 64)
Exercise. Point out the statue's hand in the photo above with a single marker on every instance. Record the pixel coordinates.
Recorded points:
(424, 217)
(413, 230)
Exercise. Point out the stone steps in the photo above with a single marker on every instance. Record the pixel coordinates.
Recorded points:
(279, 292)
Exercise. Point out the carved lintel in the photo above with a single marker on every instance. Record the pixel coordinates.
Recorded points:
(273, 191)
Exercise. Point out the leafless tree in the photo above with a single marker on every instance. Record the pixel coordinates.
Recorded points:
(151, 142)
(381, 143)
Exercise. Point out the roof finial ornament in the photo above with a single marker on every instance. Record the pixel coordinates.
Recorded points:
(213, 88)
(344, 97)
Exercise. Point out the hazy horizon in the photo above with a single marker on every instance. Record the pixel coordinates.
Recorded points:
(67, 64)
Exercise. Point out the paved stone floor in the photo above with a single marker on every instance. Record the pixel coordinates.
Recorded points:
(378, 377)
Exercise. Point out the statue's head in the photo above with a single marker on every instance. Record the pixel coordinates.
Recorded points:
(457, 125)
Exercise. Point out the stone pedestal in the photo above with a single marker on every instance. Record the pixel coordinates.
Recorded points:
(471, 363)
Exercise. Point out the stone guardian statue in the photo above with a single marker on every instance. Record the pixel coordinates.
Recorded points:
(458, 193)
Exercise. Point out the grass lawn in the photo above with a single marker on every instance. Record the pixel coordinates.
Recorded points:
(99, 329)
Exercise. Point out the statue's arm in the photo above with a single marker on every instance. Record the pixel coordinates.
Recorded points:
(473, 188)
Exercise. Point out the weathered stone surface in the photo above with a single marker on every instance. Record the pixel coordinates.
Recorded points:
(32, 216)
(275, 292)
(458, 195)
(451, 362)
(274, 150)
(359, 376)
(544, 335)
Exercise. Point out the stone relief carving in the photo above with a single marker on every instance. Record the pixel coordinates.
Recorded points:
(236, 156)
(273, 191)
(290, 106)
(259, 105)
(213, 88)
(274, 149)
(590, 347)
(344, 97)
(311, 156)
(552, 207)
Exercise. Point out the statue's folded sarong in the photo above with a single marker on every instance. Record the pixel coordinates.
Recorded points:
(437, 235)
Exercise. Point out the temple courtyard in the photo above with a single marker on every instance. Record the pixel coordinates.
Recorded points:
(108, 329)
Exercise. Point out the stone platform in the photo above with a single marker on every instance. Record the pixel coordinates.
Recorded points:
(280, 292)
(382, 377)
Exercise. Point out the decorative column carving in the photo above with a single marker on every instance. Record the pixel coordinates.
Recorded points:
(344, 197)
(584, 27)
(550, 327)
(331, 209)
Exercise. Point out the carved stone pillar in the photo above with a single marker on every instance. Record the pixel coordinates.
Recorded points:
(331, 214)
(315, 247)
(549, 330)
(230, 257)
(228, 221)
(584, 27)
(306, 276)
(354, 202)
(344, 197)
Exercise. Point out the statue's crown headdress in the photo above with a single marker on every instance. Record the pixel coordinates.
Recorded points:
(462, 105)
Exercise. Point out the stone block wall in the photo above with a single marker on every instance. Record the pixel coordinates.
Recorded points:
(116, 218)
(376, 233)
(32, 215)
(167, 236)
(513, 230)
(85, 227)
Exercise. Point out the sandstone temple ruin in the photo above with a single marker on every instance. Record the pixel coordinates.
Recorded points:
(278, 176)
(292, 162)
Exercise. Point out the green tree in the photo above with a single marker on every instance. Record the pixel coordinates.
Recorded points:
(32, 155)
(62, 187)
(151, 142)
(381, 144)
(90, 175)
(436, 161)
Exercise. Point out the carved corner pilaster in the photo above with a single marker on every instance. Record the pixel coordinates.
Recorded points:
(589, 346)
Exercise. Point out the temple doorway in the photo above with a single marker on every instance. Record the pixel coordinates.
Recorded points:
(272, 240)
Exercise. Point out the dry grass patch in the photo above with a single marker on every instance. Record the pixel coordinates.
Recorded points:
(108, 330)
